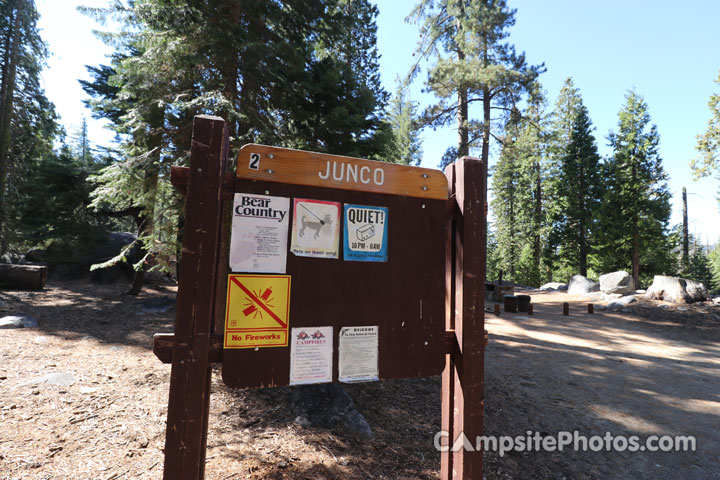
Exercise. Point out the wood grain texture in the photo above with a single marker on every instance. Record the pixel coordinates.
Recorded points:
(463, 378)
(403, 296)
(188, 405)
(297, 167)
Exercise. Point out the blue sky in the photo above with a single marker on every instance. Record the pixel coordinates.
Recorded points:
(666, 50)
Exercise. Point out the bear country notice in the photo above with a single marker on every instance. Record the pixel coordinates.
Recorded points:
(258, 242)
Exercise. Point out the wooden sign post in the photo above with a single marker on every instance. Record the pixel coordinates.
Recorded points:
(317, 268)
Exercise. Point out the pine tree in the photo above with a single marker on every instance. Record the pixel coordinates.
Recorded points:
(518, 200)
(296, 74)
(406, 145)
(473, 64)
(708, 143)
(28, 123)
(636, 202)
(577, 195)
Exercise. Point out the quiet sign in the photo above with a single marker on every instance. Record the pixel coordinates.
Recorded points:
(365, 233)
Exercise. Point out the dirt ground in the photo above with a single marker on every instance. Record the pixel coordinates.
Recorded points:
(649, 371)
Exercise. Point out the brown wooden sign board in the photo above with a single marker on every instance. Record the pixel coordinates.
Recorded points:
(426, 297)
(404, 297)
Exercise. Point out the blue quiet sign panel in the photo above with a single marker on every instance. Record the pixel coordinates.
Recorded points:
(365, 233)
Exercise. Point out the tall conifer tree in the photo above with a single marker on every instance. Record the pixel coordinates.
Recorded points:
(577, 194)
(636, 203)
(473, 63)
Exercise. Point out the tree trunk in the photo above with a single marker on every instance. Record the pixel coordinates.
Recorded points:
(462, 111)
(138, 279)
(23, 277)
(7, 91)
(537, 252)
(636, 259)
(686, 239)
(485, 155)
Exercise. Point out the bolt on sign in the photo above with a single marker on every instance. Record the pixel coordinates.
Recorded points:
(366, 253)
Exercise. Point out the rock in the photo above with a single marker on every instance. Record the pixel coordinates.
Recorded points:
(682, 309)
(579, 284)
(622, 302)
(6, 258)
(157, 305)
(640, 291)
(327, 406)
(554, 286)
(15, 321)
(716, 300)
(60, 379)
(595, 296)
(617, 282)
(676, 290)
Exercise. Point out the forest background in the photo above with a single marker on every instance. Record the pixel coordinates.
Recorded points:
(341, 77)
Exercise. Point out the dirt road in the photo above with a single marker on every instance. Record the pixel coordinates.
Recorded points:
(650, 371)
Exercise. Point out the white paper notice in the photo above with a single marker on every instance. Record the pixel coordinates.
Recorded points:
(258, 242)
(358, 354)
(311, 355)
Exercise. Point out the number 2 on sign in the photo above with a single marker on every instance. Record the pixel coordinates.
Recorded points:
(254, 161)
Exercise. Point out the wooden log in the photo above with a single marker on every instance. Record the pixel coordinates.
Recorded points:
(23, 277)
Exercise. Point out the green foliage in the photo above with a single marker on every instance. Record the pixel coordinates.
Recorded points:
(636, 204)
(406, 146)
(295, 74)
(714, 260)
(28, 123)
(518, 200)
(577, 194)
(473, 63)
(52, 203)
(708, 143)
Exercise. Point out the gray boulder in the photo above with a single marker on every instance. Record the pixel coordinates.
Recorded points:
(16, 321)
(554, 286)
(579, 285)
(328, 406)
(621, 303)
(676, 290)
(6, 258)
(617, 282)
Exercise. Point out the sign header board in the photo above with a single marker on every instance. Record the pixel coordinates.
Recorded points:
(297, 167)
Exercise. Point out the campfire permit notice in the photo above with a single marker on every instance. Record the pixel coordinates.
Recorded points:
(258, 242)
(316, 228)
(358, 354)
(311, 355)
